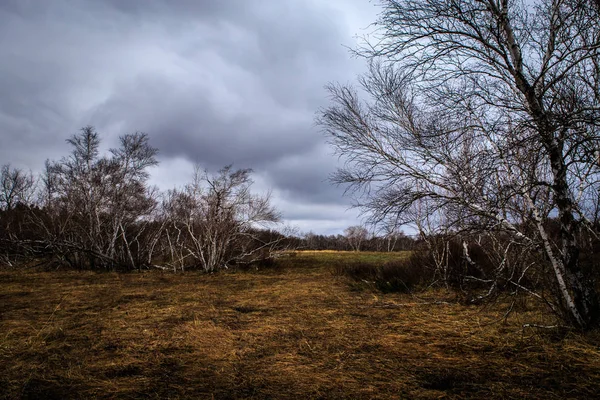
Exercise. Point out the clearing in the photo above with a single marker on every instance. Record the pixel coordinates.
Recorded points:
(292, 331)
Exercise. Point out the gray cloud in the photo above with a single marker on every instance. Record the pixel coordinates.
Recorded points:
(213, 82)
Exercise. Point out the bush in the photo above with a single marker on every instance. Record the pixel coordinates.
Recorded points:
(262, 263)
(403, 276)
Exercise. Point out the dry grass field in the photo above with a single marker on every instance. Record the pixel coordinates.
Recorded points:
(293, 331)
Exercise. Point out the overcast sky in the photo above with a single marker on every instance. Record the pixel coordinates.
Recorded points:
(212, 82)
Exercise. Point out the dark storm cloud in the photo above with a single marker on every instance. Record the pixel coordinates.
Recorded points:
(213, 82)
(184, 120)
(305, 176)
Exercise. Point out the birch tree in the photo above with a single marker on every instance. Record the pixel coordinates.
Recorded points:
(487, 113)
(16, 187)
(356, 235)
(96, 205)
(214, 221)
(17, 195)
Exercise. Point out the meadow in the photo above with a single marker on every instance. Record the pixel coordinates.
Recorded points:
(296, 329)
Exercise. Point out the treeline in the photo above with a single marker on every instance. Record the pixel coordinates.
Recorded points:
(397, 241)
(93, 211)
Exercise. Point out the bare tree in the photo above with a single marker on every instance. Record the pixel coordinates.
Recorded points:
(485, 113)
(17, 192)
(16, 187)
(96, 206)
(214, 221)
(392, 234)
(356, 235)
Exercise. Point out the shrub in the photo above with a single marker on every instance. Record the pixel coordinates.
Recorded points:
(261, 263)
(404, 276)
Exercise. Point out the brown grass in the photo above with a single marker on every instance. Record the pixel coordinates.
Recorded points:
(295, 332)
